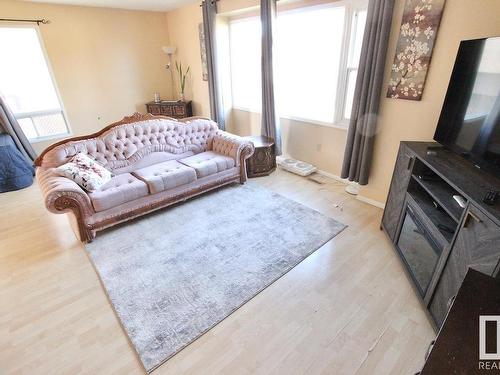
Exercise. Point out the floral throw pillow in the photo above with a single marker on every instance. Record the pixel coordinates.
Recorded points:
(85, 171)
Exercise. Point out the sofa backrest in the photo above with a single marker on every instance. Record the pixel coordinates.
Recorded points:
(136, 140)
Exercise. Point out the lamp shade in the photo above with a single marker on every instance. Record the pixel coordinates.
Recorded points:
(169, 50)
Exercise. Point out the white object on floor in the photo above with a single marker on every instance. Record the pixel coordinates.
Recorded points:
(352, 188)
(296, 166)
(460, 200)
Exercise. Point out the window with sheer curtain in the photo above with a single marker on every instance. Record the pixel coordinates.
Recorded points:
(316, 61)
(27, 84)
(245, 55)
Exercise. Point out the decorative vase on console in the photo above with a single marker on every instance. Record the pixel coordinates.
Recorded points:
(182, 79)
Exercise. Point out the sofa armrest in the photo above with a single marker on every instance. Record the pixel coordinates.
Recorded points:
(63, 195)
(233, 146)
(54, 188)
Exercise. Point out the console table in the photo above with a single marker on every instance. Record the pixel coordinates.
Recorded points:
(175, 109)
(437, 239)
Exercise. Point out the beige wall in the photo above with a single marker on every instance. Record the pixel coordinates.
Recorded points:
(408, 120)
(107, 62)
(321, 145)
(183, 33)
(399, 119)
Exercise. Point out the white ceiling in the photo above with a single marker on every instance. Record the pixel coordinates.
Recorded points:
(153, 5)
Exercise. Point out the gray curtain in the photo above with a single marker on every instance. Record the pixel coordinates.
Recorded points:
(9, 125)
(363, 123)
(270, 120)
(209, 24)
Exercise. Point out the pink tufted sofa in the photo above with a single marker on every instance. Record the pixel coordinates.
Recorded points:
(157, 161)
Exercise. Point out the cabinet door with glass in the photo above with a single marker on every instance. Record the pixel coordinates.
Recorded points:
(477, 246)
(399, 185)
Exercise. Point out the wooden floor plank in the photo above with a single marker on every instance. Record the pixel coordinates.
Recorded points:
(347, 309)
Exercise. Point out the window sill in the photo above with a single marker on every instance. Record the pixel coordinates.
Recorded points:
(339, 125)
(49, 138)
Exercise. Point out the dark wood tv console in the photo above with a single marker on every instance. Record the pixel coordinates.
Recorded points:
(437, 240)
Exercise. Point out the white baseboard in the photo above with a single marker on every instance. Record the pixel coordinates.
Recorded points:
(370, 201)
(346, 181)
(333, 176)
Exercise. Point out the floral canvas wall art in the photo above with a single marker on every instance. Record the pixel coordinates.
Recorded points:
(418, 32)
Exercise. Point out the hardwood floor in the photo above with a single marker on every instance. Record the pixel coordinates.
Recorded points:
(347, 309)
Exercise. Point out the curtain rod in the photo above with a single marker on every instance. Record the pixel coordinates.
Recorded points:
(213, 1)
(38, 22)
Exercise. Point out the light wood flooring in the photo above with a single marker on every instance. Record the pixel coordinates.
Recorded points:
(347, 309)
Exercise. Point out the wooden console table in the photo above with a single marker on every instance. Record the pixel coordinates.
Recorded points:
(175, 109)
(263, 161)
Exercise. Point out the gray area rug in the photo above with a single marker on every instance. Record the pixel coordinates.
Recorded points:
(173, 275)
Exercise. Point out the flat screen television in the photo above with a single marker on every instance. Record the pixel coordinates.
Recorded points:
(470, 119)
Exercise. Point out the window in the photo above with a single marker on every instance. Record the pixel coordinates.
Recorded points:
(356, 40)
(27, 84)
(317, 55)
(245, 52)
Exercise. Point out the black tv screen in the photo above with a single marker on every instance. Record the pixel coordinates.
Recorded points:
(470, 119)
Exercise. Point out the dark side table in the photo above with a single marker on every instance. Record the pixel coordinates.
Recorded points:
(263, 161)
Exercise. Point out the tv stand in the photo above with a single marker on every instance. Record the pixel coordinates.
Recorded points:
(437, 239)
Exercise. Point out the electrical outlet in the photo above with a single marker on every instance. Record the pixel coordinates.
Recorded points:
(318, 147)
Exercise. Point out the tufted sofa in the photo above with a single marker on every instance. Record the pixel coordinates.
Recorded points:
(156, 161)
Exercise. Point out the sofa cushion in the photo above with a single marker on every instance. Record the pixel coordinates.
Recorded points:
(121, 189)
(208, 163)
(151, 159)
(166, 175)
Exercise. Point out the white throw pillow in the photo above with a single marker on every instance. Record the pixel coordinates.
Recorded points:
(86, 172)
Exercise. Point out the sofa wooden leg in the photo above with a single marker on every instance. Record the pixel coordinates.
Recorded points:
(87, 235)
(245, 153)
(243, 177)
(70, 204)
(84, 234)
(81, 231)
(243, 174)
